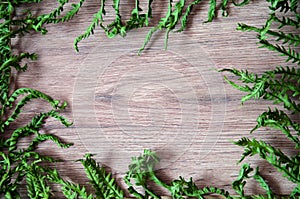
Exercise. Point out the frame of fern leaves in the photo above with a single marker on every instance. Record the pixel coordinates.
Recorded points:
(21, 166)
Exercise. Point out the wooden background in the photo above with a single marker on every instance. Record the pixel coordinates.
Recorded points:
(172, 102)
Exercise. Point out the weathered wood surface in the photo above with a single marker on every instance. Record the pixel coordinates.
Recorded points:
(169, 101)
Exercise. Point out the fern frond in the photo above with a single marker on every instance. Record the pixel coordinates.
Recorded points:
(284, 98)
(141, 170)
(268, 87)
(97, 20)
(278, 119)
(294, 5)
(52, 16)
(212, 10)
(32, 94)
(5, 82)
(148, 38)
(256, 91)
(102, 181)
(289, 73)
(33, 128)
(14, 61)
(69, 15)
(287, 21)
(45, 137)
(181, 188)
(168, 22)
(239, 184)
(286, 38)
(258, 177)
(5, 170)
(36, 184)
(38, 94)
(289, 52)
(69, 189)
(184, 18)
(274, 156)
(244, 75)
(289, 38)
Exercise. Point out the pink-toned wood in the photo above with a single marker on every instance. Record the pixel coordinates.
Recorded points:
(169, 101)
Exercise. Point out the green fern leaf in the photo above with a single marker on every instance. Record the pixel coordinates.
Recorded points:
(274, 156)
(279, 120)
(102, 182)
(290, 53)
(212, 10)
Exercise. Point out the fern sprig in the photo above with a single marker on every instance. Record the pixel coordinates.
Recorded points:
(268, 87)
(69, 15)
(274, 156)
(98, 19)
(102, 181)
(287, 21)
(45, 137)
(32, 94)
(283, 5)
(33, 128)
(184, 18)
(279, 120)
(291, 39)
(141, 170)
(288, 52)
(245, 171)
(181, 188)
(36, 184)
(14, 61)
(263, 183)
(212, 10)
(69, 189)
(239, 184)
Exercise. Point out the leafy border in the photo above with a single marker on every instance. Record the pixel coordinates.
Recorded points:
(25, 166)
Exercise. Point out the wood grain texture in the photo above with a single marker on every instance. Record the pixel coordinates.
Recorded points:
(169, 101)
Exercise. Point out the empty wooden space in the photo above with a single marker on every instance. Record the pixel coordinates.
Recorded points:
(171, 101)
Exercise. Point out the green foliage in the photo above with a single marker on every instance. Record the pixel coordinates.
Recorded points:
(281, 87)
(177, 13)
(239, 184)
(23, 166)
(103, 183)
(290, 19)
(142, 171)
(69, 189)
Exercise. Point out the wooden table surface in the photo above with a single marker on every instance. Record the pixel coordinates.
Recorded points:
(171, 101)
